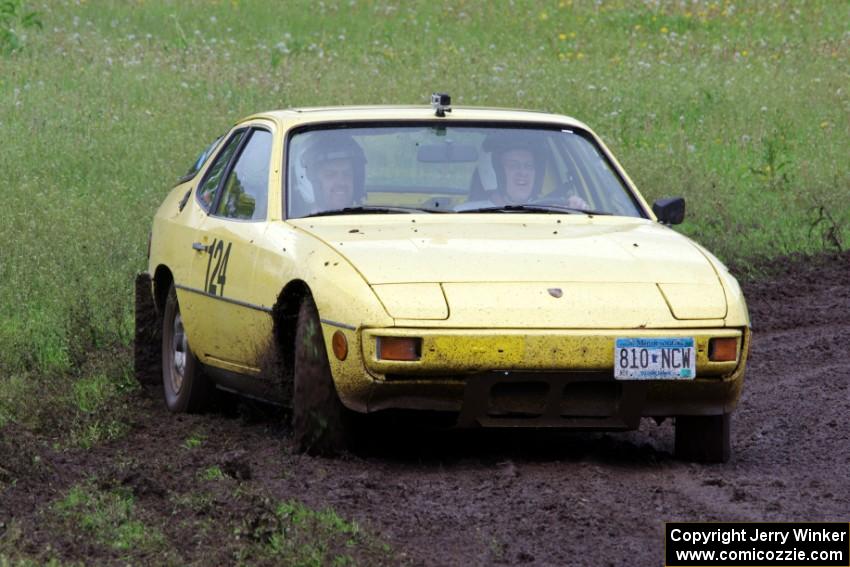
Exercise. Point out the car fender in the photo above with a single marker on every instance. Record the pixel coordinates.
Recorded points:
(737, 314)
(344, 299)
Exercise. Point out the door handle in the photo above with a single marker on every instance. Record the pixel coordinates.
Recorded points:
(198, 247)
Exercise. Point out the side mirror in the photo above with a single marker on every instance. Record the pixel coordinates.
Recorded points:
(670, 210)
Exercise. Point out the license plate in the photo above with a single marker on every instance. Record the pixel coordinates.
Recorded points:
(655, 359)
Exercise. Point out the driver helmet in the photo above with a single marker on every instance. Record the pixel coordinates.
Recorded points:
(499, 145)
(333, 146)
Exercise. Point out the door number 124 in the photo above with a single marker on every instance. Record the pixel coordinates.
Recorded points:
(218, 254)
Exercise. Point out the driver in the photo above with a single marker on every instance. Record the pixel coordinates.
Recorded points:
(520, 166)
(517, 176)
(335, 167)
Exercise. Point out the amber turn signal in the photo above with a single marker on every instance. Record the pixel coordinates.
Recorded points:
(340, 345)
(723, 350)
(399, 348)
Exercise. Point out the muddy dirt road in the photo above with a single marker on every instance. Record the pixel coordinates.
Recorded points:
(500, 498)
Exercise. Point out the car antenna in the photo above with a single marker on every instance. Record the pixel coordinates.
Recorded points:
(441, 103)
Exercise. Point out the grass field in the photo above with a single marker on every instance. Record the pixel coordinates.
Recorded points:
(741, 107)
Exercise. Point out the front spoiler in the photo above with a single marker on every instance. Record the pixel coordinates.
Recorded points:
(575, 400)
(580, 400)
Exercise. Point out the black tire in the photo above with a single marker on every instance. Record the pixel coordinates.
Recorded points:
(703, 438)
(320, 423)
(186, 388)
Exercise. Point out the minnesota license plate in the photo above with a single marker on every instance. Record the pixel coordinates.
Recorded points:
(655, 359)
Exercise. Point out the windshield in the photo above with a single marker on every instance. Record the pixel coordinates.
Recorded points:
(450, 169)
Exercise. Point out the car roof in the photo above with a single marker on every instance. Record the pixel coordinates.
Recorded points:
(306, 115)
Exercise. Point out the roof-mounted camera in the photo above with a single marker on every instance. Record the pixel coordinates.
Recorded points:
(441, 103)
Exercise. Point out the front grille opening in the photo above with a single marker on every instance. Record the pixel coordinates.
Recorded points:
(590, 399)
(518, 399)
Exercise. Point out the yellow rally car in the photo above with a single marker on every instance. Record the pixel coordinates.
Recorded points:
(496, 265)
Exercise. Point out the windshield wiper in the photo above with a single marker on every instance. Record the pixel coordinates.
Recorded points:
(557, 209)
(372, 210)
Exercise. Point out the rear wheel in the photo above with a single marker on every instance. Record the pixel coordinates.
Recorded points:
(186, 388)
(703, 438)
(321, 424)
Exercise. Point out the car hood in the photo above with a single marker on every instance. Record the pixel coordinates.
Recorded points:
(610, 271)
(511, 248)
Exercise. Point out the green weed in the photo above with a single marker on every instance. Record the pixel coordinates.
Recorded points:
(830, 227)
(774, 167)
(212, 473)
(80, 411)
(294, 534)
(198, 502)
(109, 517)
(15, 19)
(100, 406)
(194, 441)
(90, 434)
(14, 559)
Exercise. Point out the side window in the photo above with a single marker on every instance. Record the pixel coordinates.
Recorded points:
(246, 189)
(206, 190)
(201, 160)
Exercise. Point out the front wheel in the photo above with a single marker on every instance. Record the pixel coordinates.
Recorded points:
(320, 423)
(186, 388)
(703, 438)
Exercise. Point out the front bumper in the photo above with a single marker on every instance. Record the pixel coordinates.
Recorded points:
(545, 378)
